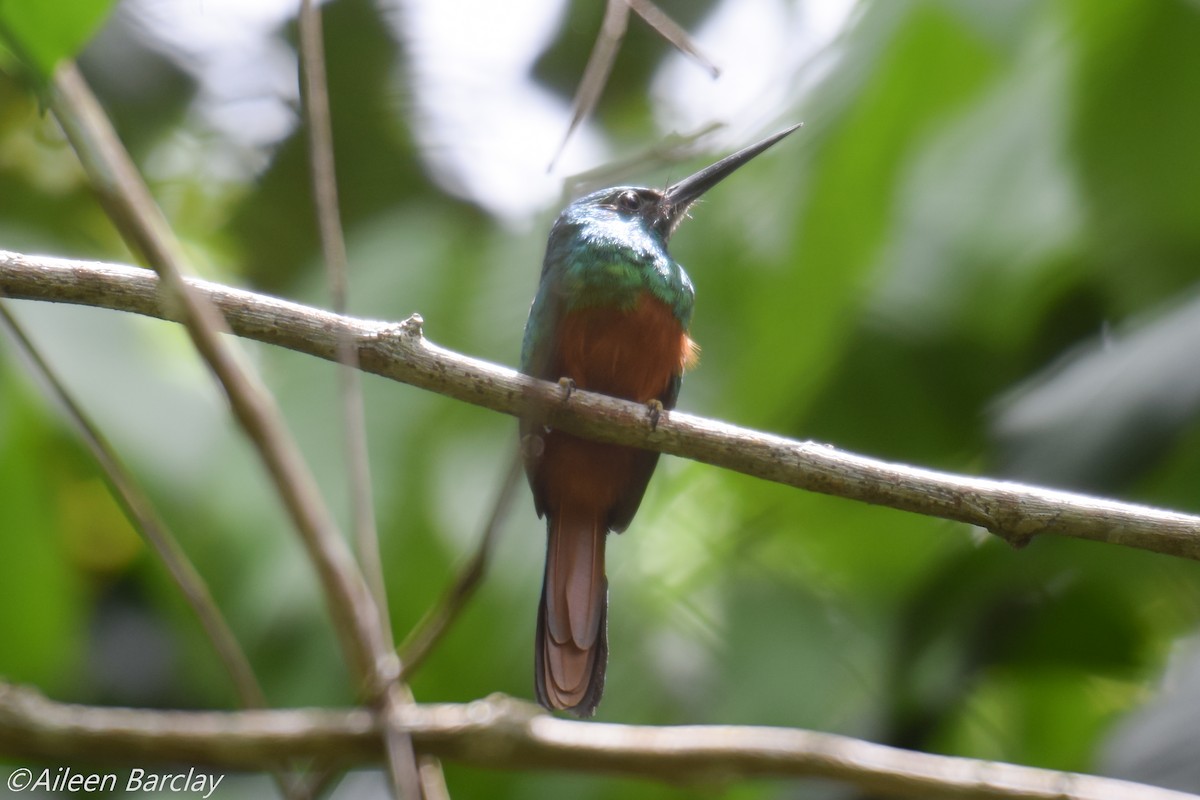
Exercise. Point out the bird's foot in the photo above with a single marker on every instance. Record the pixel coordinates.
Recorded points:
(655, 411)
(568, 387)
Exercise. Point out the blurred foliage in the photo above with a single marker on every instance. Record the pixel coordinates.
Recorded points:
(39, 35)
(981, 254)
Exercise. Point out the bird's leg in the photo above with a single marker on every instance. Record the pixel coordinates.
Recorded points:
(568, 387)
(655, 411)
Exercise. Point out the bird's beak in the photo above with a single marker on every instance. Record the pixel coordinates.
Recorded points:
(680, 196)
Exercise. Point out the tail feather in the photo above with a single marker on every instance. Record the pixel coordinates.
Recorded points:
(572, 638)
(583, 697)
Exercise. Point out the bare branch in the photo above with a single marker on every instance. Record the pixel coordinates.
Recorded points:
(131, 206)
(333, 246)
(146, 520)
(595, 74)
(429, 631)
(1012, 511)
(402, 762)
(670, 30)
(501, 733)
(604, 55)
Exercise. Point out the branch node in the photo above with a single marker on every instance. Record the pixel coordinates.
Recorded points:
(1018, 535)
(413, 327)
(400, 336)
(387, 670)
(512, 711)
(1013, 511)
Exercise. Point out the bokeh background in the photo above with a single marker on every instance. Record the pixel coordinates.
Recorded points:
(981, 254)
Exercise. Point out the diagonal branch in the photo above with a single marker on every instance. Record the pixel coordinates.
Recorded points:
(674, 33)
(402, 763)
(501, 733)
(595, 74)
(144, 517)
(604, 55)
(129, 203)
(1010, 510)
(433, 626)
(337, 267)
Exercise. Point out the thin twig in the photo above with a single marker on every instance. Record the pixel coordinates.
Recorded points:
(402, 762)
(671, 149)
(604, 55)
(595, 74)
(437, 620)
(333, 246)
(501, 733)
(145, 519)
(1013, 511)
(674, 33)
(129, 203)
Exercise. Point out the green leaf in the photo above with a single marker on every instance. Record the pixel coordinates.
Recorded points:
(41, 33)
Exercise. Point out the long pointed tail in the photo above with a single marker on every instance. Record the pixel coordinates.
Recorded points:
(572, 634)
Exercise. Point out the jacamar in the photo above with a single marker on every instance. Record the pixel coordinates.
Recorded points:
(611, 315)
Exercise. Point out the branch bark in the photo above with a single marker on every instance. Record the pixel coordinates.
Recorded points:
(501, 733)
(400, 351)
(131, 207)
(402, 763)
(146, 520)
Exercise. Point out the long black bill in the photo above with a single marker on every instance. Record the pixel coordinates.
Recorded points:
(687, 191)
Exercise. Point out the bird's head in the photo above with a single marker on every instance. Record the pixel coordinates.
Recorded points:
(662, 211)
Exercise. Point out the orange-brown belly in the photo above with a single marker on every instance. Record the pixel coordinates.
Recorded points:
(630, 354)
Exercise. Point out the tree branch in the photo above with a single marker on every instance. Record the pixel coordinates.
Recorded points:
(144, 517)
(604, 55)
(130, 205)
(502, 733)
(333, 247)
(1012, 511)
(426, 634)
(402, 762)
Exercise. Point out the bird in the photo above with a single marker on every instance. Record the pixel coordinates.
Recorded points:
(611, 315)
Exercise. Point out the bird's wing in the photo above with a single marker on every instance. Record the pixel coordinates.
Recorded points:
(538, 355)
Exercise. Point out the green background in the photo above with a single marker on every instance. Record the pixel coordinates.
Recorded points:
(980, 255)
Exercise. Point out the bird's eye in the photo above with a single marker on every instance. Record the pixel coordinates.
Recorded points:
(629, 201)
